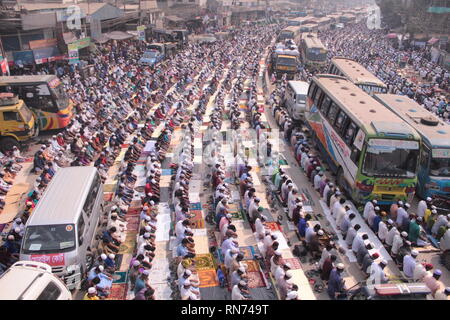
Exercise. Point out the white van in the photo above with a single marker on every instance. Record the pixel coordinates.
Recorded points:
(295, 99)
(31, 280)
(62, 231)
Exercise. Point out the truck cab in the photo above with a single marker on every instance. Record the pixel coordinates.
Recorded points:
(17, 122)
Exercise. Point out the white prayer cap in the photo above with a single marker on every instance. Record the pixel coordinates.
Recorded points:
(229, 216)
(234, 250)
(18, 220)
(92, 290)
(404, 234)
(242, 269)
(112, 256)
(146, 272)
(320, 232)
(103, 256)
(278, 253)
(114, 208)
(377, 208)
(414, 253)
(429, 199)
(101, 268)
(407, 205)
(288, 274)
(400, 203)
(292, 295)
(187, 283)
(434, 211)
(188, 272)
(340, 266)
(374, 201)
(384, 262)
(390, 221)
(147, 235)
(147, 228)
(136, 263)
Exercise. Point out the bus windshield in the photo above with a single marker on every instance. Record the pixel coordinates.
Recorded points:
(316, 54)
(440, 167)
(391, 158)
(60, 96)
(26, 113)
(373, 88)
(286, 61)
(49, 238)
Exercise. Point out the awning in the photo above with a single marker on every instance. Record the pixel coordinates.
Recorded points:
(392, 36)
(101, 39)
(174, 18)
(118, 35)
(48, 54)
(432, 40)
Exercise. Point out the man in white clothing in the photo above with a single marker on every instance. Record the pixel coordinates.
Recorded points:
(422, 207)
(370, 205)
(409, 263)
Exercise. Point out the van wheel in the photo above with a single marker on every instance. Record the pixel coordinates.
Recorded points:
(7, 144)
(89, 260)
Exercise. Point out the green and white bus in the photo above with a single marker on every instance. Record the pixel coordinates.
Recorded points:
(357, 74)
(374, 153)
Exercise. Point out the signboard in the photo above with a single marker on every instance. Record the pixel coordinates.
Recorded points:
(74, 57)
(47, 54)
(79, 44)
(23, 57)
(391, 143)
(36, 44)
(441, 153)
(141, 33)
(53, 259)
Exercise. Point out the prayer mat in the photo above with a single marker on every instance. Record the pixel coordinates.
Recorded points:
(196, 206)
(198, 224)
(212, 238)
(166, 172)
(133, 211)
(237, 215)
(129, 244)
(109, 187)
(248, 252)
(120, 277)
(132, 222)
(208, 278)
(125, 261)
(136, 203)
(118, 291)
(28, 159)
(196, 215)
(252, 266)
(107, 197)
(255, 280)
(294, 262)
(282, 162)
(125, 145)
(273, 226)
(204, 262)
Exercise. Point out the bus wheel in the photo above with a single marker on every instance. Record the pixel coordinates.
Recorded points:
(7, 144)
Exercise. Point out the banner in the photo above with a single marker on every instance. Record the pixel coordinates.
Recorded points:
(37, 44)
(79, 44)
(23, 57)
(141, 33)
(74, 57)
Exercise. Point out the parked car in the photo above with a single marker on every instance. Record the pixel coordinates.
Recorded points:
(151, 57)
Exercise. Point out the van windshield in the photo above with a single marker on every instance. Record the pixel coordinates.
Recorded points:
(301, 98)
(49, 239)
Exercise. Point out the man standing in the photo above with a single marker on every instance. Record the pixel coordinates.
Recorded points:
(336, 283)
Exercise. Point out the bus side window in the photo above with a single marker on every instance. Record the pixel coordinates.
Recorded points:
(333, 112)
(312, 91)
(92, 196)
(325, 105)
(317, 96)
(11, 116)
(355, 155)
(340, 121)
(350, 133)
(425, 156)
(80, 227)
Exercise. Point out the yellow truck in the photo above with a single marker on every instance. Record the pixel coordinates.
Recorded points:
(17, 122)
